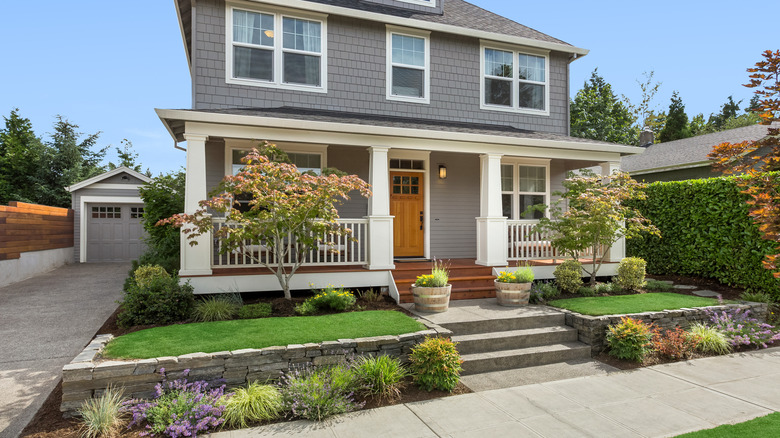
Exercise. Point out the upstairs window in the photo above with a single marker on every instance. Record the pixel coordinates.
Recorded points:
(408, 77)
(514, 81)
(276, 50)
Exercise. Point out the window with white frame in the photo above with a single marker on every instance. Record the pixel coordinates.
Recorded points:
(408, 66)
(303, 161)
(272, 49)
(523, 186)
(514, 81)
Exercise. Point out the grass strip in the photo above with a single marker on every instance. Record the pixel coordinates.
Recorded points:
(761, 427)
(210, 337)
(620, 304)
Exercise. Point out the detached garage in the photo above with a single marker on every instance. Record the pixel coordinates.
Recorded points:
(107, 217)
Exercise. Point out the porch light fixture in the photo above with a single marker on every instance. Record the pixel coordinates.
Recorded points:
(442, 171)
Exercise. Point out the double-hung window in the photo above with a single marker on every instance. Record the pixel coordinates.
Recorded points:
(408, 65)
(523, 186)
(514, 81)
(276, 50)
(304, 161)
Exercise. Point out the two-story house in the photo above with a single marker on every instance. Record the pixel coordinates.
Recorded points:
(456, 116)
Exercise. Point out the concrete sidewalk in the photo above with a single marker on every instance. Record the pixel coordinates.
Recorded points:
(45, 321)
(658, 401)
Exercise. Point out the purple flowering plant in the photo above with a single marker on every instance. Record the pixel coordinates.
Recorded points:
(179, 408)
(741, 329)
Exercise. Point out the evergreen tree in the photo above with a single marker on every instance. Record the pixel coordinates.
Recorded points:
(127, 158)
(728, 111)
(21, 158)
(676, 126)
(597, 113)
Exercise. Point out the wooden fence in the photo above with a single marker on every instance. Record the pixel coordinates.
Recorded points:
(31, 227)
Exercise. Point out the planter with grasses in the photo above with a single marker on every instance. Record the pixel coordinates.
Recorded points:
(514, 288)
(431, 292)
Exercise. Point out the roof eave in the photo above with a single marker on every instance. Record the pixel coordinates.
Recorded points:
(105, 175)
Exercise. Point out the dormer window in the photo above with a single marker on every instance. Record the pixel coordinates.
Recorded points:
(513, 80)
(276, 50)
(408, 65)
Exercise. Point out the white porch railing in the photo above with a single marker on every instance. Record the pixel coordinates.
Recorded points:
(345, 250)
(527, 244)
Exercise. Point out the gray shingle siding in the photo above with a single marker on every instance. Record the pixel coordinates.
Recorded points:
(356, 77)
(354, 161)
(454, 205)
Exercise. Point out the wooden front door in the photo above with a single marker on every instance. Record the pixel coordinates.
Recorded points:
(406, 204)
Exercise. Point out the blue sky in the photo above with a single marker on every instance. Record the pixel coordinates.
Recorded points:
(106, 65)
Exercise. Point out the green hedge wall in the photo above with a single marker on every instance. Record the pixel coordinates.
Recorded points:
(706, 232)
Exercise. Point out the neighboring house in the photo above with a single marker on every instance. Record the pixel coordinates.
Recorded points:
(457, 117)
(687, 158)
(107, 220)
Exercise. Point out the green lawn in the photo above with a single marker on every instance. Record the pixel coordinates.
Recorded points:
(762, 427)
(649, 302)
(210, 337)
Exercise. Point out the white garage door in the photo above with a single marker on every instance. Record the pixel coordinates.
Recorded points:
(114, 232)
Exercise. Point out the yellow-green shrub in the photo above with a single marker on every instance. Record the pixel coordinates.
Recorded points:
(631, 273)
(568, 276)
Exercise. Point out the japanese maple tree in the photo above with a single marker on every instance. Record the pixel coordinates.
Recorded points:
(754, 159)
(288, 212)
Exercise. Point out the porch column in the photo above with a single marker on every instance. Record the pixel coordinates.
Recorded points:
(195, 260)
(491, 225)
(380, 223)
(618, 250)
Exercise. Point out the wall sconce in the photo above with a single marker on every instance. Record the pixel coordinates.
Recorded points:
(442, 171)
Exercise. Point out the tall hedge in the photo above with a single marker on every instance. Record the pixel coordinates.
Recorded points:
(706, 232)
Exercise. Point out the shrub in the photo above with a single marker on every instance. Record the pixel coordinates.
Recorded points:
(606, 288)
(102, 416)
(587, 291)
(522, 275)
(740, 329)
(162, 301)
(675, 344)
(252, 404)
(380, 376)
(179, 408)
(439, 276)
(371, 295)
(215, 308)
(252, 311)
(630, 340)
(543, 291)
(144, 275)
(435, 364)
(631, 273)
(329, 298)
(711, 340)
(757, 297)
(163, 197)
(315, 394)
(657, 286)
(568, 276)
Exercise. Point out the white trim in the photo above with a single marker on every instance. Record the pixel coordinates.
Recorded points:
(516, 162)
(207, 284)
(109, 174)
(426, 36)
(427, 3)
(436, 27)
(425, 156)
(116, 186)
(516, 81)
(301, 148)
(672, 167)
(278, 48)
(83, 217)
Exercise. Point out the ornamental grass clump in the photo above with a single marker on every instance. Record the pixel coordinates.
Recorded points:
(711, 340)
(740, 329)
(439, 276)
(380, 376)
(316, 394)
(435, 364)
(102, 416)
(522, 275)
(630, 340)
(252, 403)
(215, 308)
(179, 408)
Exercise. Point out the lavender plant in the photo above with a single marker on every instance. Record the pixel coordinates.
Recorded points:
(179, 408)
(741, 329)
(315, 394)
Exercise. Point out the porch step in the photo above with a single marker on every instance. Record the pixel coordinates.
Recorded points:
(476, 363)
(514, 339)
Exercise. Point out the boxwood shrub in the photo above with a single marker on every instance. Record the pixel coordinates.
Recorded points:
(706, 232)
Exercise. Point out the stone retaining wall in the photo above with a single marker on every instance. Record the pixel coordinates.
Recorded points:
(592, 330)
(88, 376)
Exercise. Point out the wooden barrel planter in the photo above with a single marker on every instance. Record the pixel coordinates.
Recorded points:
(431, 299)
(513, 294)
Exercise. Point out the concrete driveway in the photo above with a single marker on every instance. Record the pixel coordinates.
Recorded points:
(45, 322)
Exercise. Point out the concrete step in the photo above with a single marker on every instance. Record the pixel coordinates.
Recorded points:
(476, 363)
(529, 320)
(514, 339)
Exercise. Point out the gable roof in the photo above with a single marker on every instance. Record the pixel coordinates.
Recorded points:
(106, 175)
(456, 16)
(688, 152)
